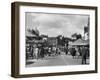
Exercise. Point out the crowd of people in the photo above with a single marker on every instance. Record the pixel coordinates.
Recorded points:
(82, 52)
(39, 52)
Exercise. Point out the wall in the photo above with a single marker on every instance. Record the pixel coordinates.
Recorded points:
(5, 40)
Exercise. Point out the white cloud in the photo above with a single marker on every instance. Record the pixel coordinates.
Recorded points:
(56, 24)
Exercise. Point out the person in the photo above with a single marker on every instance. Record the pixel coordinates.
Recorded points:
(49, 51)
(88, 53)
(39, 50)
(77, 52)
(42, 52)
(84, 55)
(31, 50)
(73, 52)
(36, 52)
(80, 51)
(54, 51)
(58, 50)
(66, 50)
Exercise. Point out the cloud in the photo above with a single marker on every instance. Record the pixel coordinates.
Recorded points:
(56, 24)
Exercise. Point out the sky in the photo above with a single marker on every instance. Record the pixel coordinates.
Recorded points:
(56, 24)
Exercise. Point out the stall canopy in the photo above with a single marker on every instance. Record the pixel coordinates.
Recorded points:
(80, 42)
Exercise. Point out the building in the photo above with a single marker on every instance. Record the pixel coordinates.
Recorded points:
(52, 41)
(86, 30)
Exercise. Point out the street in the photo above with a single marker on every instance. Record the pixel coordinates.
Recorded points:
(55, 61)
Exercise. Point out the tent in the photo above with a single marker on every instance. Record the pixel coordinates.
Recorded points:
(80, 42)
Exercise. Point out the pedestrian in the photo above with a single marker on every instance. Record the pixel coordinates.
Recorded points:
(31, 50)
(77, 52)
(73, 52)
(84, 55)
(87, 52)
(59, 51)
(80, 51)
(49, 51)
(36, 53)
(42, 52)
(66, 50)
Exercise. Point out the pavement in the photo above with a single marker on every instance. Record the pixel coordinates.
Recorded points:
(59, 60)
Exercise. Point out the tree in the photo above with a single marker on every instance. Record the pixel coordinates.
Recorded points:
(74, 35)
(61, 40)
(32, 31)
(77, 36)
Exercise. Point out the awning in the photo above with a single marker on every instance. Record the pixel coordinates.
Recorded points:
(80, 42)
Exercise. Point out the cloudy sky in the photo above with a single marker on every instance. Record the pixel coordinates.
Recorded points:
(56, 24)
